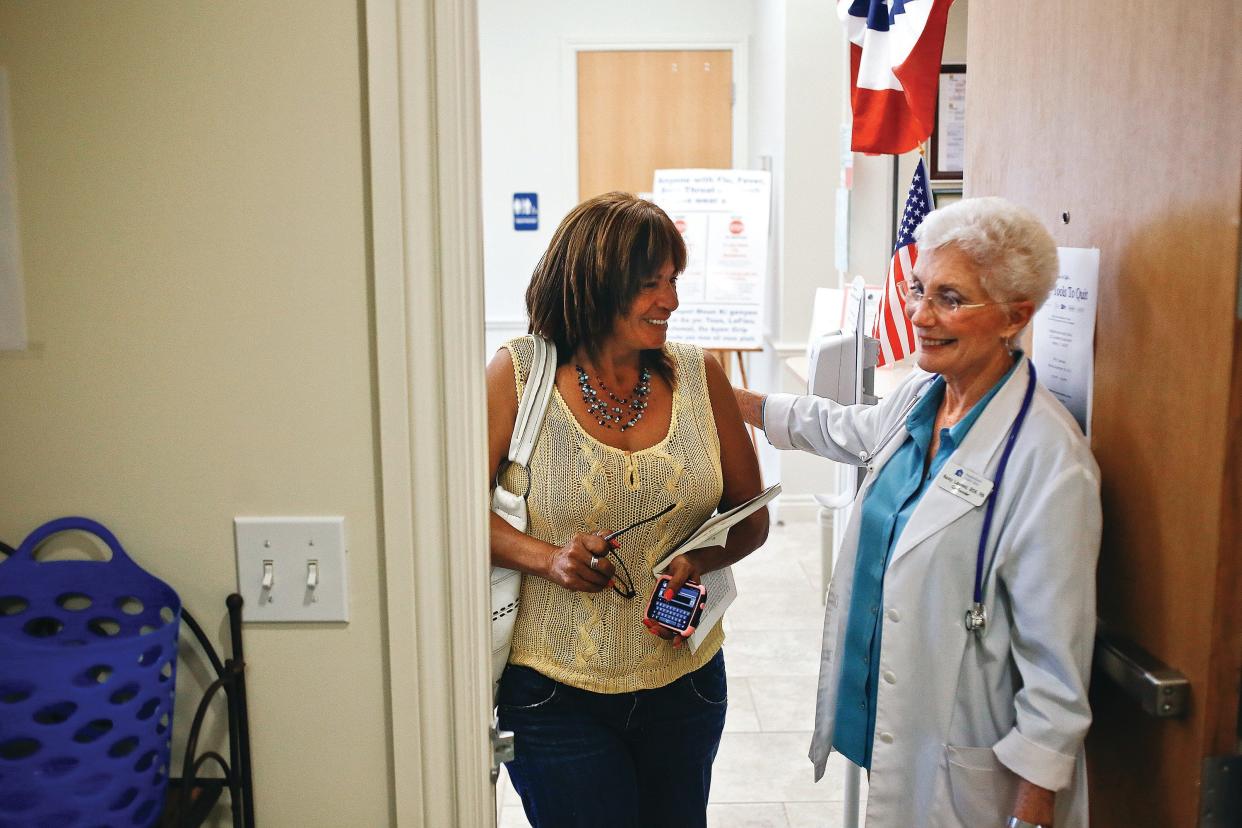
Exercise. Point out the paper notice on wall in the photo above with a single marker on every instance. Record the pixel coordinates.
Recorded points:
(1064, 335)
(723, 216)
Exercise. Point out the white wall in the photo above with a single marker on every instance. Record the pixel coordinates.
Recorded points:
(814, 109)
(767, 133)
(800, 44)
(527, 100)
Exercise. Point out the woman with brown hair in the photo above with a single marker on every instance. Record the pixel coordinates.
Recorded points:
(614, 726)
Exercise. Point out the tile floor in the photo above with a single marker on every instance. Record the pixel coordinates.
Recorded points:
(762, 778)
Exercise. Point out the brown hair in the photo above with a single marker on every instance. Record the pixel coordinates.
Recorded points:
(594, 268)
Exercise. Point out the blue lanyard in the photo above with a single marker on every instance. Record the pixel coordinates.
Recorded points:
(976, 616)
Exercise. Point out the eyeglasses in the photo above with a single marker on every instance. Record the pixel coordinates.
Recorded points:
(940, 303)
(628, 580)
(626, 588)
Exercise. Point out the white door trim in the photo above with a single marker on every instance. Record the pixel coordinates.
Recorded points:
(569, 92)
(426, 246)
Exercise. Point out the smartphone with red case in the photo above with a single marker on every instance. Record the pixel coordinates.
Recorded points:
(682, 612)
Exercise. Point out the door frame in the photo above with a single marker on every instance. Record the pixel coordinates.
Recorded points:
(570, 47)
(421, 111)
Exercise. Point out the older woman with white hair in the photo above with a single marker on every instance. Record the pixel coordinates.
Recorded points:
(960, 621)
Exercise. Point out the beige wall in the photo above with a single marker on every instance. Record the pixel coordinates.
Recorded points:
(190, 192)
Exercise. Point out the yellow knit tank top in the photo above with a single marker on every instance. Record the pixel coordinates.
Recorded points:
(596, 641)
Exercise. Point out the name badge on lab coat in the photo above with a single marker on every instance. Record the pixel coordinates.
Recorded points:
(962, 482)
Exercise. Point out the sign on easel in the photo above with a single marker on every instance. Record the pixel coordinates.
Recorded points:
(723, 216)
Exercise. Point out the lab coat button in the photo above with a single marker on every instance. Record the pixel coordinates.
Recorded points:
(893, 615)
(886, 738)
(890, 676)
(864, 456)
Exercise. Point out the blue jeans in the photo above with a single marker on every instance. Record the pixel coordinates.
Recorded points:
(629, 760)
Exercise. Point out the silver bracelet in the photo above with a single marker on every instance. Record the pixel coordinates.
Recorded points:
(1014, 822)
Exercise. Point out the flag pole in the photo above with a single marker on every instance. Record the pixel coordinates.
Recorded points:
(897, 204)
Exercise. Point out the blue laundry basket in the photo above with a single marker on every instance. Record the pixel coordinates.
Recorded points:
(88, 663)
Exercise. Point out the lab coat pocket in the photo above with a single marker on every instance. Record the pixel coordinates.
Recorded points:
(981, 789)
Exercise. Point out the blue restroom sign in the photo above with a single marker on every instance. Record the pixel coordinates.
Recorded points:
(525, 211)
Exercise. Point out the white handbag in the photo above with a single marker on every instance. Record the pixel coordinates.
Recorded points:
(507, 583)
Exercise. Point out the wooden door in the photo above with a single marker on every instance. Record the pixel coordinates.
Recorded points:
(643, 111)
(1118, 123)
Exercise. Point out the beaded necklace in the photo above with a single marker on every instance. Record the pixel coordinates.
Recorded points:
(606, 415)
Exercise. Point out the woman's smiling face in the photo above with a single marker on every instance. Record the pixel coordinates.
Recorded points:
(961, 344)
(644, 325)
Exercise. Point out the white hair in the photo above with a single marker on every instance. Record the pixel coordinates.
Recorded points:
(1015, 254)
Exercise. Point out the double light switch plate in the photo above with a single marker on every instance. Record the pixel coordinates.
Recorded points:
(292, 568)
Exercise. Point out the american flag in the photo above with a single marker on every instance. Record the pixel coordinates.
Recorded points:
(895, 49)
(892, 327)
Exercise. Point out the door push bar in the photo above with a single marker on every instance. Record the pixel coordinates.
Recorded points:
(1159, 689)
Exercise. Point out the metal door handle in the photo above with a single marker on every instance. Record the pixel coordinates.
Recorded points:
(1159, 689)
(502, 749)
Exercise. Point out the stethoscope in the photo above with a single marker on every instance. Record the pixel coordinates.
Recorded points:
(977, 613)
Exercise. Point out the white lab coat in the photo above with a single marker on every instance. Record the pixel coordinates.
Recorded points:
(959, 716)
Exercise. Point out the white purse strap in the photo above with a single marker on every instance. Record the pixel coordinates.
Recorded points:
(534, 403)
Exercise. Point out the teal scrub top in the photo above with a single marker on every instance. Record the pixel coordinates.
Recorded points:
(885, 512)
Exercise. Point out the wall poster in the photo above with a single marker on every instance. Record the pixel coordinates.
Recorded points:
(723, 216)
(1063, 347)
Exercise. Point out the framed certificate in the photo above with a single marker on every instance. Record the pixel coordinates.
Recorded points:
(948, 139)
